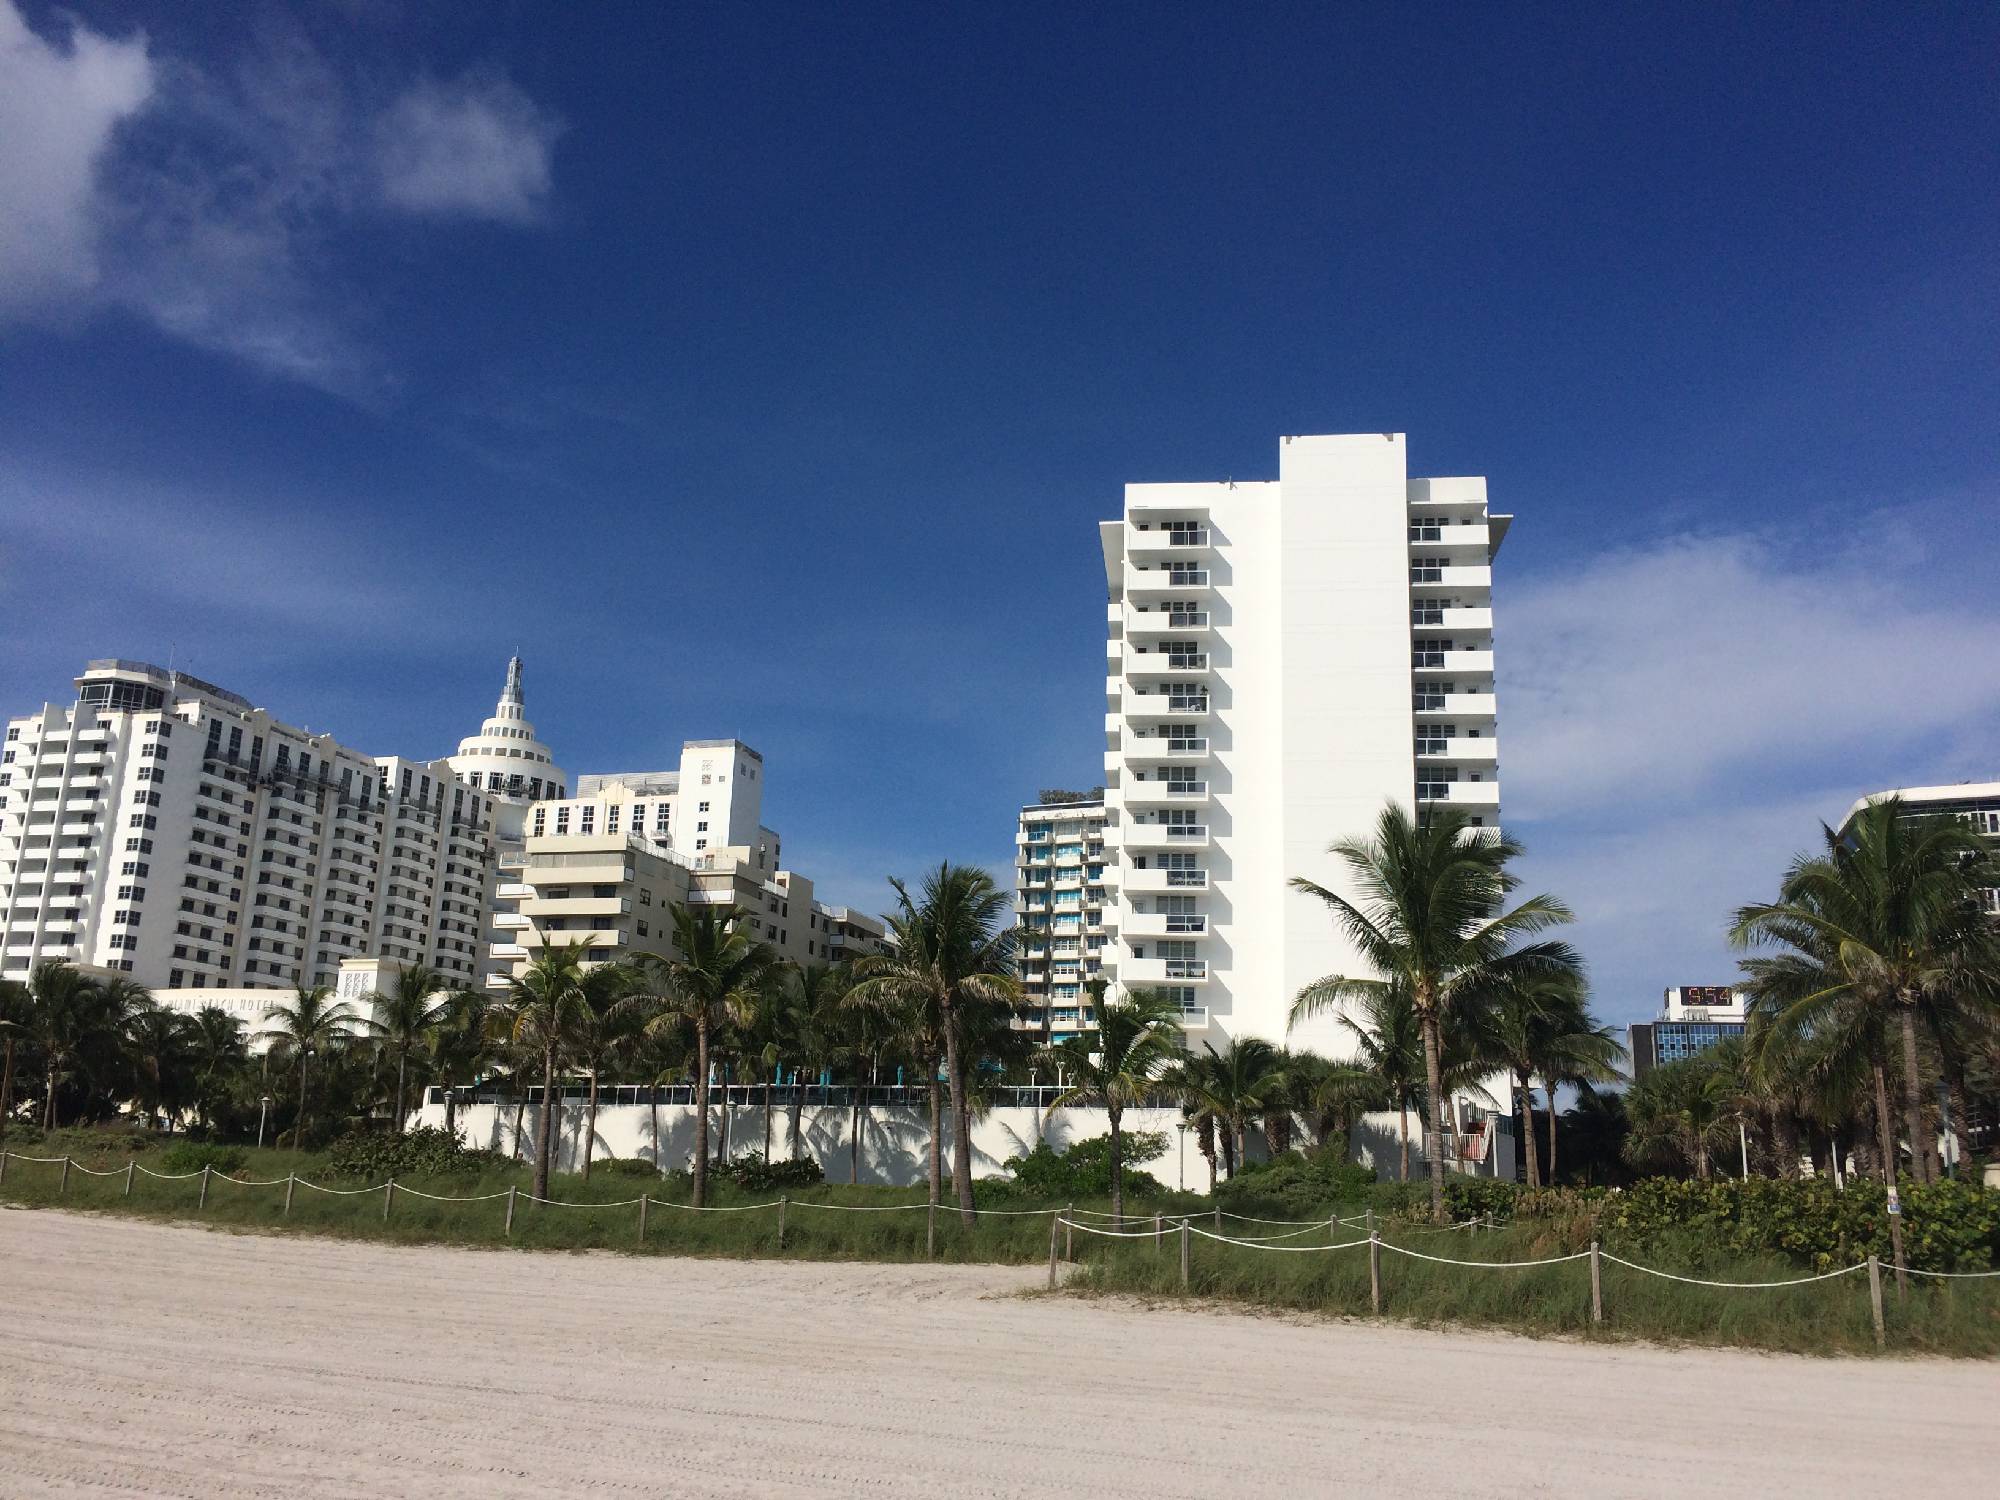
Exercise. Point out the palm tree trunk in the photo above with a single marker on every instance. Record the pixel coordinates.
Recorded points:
(299, 1126)
(767, 1122)
(961, 1137)
(795, 1117)
(1886, 1133)
(1528, 1131)
(545, 1147)
(653, 1108)
(1433, 1134)
(7, 1087)
(1117, 1170)
(937, 1129)
(590, 1126)
(450, 1110)
(1404, 1129)
(49, 1103)
(700, 1110)
(1549, 1087)
(520, 1111)
(722, 1143)
(1923, 1151)
(854, 1141)
(402, 1073)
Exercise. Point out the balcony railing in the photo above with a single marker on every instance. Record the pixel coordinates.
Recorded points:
(1182, 923)
(1185, 830)
(1189, 879)
(1187, 968)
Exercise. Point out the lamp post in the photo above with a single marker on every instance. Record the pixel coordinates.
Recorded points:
(263, 1109)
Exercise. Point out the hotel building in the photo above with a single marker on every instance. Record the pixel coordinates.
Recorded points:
(168, 829)
(1062, 892)
(1283, 659)
(1978, 802)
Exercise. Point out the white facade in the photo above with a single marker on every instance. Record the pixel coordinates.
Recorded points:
(1284, 658)
(1063, 889)
(603, 869)
(165, 828)
(508, 762)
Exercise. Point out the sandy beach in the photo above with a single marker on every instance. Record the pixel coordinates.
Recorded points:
(144, 1359)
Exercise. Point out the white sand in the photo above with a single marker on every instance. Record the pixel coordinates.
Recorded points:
(141, 1359)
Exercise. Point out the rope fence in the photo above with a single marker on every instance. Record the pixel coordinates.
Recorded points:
(1064, 1225)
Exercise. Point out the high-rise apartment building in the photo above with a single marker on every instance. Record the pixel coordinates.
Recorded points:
(162, 826)
(1062, 893)
(1284, 658)
(1693, 1019)
(1977, 802)
(602, 869)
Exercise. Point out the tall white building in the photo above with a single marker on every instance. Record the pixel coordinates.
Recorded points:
(1284, 658)
(508, 762)
(1062, 893)
(1977, 802)
(162, 826)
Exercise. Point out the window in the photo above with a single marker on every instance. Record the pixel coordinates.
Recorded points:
(611, 818)
(541, 821)
(587, 819)
(562, 820)
(703, 807)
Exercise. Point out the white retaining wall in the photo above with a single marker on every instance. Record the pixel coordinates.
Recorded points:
(895, 1140)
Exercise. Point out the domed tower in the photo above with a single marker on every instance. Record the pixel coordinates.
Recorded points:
(506, 760)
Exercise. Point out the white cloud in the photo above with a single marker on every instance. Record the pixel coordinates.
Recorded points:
(215, 214)
(476, 146)
(1650, 673)
(58, 108)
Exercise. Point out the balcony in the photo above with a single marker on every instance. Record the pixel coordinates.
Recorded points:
(1165, 880)
(1440, 617)
(1459, 748)
(1467, 663)
(576, 906)
(1157, 747)
(1164, 580)
(1166, 836)
(1149, 622)
(1473, 796)
(1166, 663)
(1442, 531)
(1452, 577)
(513, 890)
(506, 951)
(1454, 705)
(1165, 793)
(1171, 540)
(1149, 971)
(1152, 705)
(1164, 924)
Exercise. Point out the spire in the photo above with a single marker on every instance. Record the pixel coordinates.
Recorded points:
(512, 692)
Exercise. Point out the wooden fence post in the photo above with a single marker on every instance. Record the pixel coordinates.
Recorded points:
(130, 1167)
(1159, 1231)
(65, 1177)
(784, 1201)
(1069, 1234)
(1374, 1265)
(1875, 1299)
(510, 1213)
(291, 1181)
(1053, 1226)
(1218, 1220)
(4, 1154)
(388, 1198)
(1187, 1253)
(1596, 1285)
(643, 1201)
(204, 1187)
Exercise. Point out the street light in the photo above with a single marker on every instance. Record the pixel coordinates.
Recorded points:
(263, 1109)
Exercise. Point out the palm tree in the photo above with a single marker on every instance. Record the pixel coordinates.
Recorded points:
(161, 1050)
(13, 1023)
(77, 1023)
(716, 976)
(1536, 1029)
(803, 1013)
(405, 1018)
(1389, 1045)
(1582, 1055)
(1885, 925)
(1230, 1088)
(460, 1046)
(1680, 1112)
(541, 1016)
(217, 1054)
(314, 1022)
(607, 1023)
(1429, 918)
(952, 950)
(1137, 1042)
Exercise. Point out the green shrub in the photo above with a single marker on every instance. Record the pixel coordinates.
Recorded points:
(1083, 1171)
(1297, 1185)
(628, 1166)
(424, 1152)
(192, 1156)
(754, 1174)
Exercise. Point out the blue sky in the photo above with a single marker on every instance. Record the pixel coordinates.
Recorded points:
(764, 371)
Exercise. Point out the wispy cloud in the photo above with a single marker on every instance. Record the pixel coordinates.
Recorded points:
(1680, 715)
(211, 200)
(475, 146)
